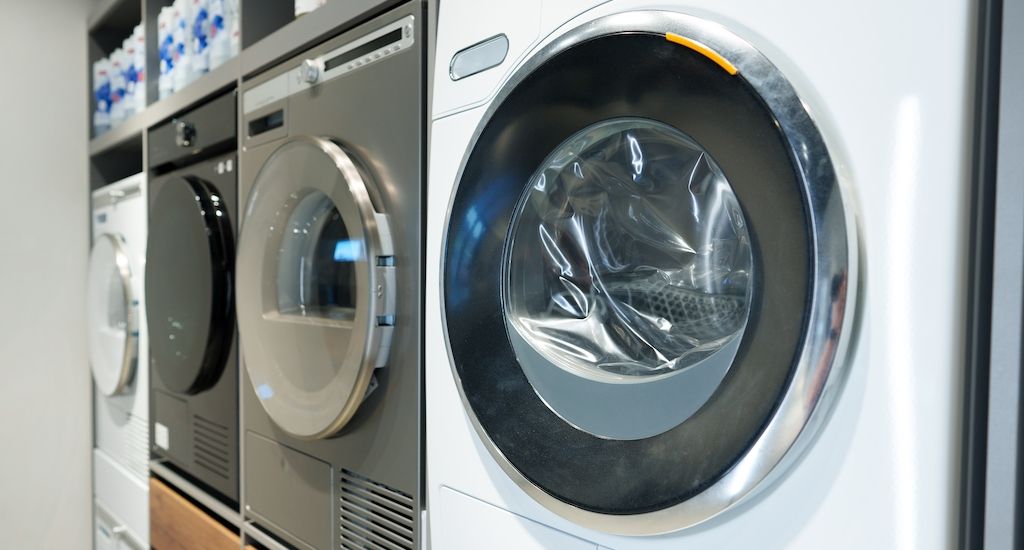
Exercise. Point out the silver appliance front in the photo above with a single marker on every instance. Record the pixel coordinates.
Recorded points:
(329, 288)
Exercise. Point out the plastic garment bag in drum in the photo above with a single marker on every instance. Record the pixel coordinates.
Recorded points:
(628, 266)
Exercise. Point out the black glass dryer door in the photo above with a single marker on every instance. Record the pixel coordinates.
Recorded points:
(189, 263)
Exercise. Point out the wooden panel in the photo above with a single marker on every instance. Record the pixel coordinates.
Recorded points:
(177, 524)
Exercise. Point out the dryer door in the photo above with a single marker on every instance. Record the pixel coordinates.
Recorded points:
(315, 287)
(646, 285)
(112, 314)
(188, 284)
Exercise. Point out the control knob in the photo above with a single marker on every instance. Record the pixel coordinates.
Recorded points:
(310, 71)
(184, 133)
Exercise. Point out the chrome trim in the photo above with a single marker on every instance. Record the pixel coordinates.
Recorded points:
(131, 342)
(293, 80)
(114, 196)
(485, 54)
(183, 485)
(119, 531)
(376, 283)
(251, 529)
(821, 367)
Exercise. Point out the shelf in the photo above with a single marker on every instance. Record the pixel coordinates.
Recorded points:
(115, 14)
(251, 531)
(221, 78)
(119, 135)
(308, 30)
(221, 510)
(112, 16)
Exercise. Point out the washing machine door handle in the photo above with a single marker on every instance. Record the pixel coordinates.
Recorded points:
(113, 317)
(316, 286)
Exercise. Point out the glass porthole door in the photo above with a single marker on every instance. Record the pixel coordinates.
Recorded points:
(113, 318)
(647, 287)
(315, 287)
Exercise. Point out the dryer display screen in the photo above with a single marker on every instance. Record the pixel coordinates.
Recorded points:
(369, 47)
(267, 123)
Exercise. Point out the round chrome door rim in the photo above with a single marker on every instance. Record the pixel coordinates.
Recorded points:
(377, 241)
(820, 366)
(130, 352)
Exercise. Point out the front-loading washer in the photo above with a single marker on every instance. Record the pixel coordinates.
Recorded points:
(118, 348)
(644, 271)
(329, 289)
(190, 296)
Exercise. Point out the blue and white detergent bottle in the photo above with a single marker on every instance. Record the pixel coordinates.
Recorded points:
(234, 25)
(182, 51)
(101, 92)
(220, 38)
(138, 38)
(130, 76)
(165, 40)
(117, 87)
(200, 39)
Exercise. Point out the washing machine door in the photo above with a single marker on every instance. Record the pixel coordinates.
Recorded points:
(315, 287)
(112, 315)
(189, 284)
(647, 273)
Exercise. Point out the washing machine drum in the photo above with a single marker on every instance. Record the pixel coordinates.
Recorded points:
(189, 264)
(315, 287)
(645, 273)
(112, 310)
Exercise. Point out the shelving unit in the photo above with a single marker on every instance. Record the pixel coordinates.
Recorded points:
(269, 34)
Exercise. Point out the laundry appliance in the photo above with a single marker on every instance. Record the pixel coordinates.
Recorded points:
(190, 292)
(329, 280)
(117, 342)
(693, 274)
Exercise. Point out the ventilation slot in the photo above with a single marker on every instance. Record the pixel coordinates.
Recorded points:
(137, 446)
(211, 446)
(373, 516)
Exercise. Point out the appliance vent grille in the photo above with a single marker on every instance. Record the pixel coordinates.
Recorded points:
(373, 516)
(137, 446)
(211, 446)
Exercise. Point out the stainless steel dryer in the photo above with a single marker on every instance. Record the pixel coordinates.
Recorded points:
(189, 289)
(329, 289)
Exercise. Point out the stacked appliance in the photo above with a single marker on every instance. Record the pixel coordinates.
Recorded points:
(190, 297)
(329, 289)
(117, 355)
(643, 275)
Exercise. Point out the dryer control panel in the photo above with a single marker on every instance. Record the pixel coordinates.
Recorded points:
(376, 46)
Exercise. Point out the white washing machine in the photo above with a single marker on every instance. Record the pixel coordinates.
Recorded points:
(118, 358)
(694, 274)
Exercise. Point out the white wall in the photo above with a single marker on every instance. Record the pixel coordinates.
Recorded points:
(45, 438)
